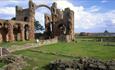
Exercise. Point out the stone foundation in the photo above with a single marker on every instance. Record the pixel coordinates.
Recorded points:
(82, 64)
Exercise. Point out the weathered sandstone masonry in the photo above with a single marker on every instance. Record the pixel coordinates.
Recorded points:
(59, 24)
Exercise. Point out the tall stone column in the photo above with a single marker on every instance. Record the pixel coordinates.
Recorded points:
(10, 32)
(22, 32)
(0, 32)
(72, 25)
(31, 20)
(69, 22)
(54, 17)
(31, 30)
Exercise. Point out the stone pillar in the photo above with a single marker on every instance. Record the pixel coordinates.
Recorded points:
(0, 37)
(72, 25)
(69, 22)
(22, 32)
(31, 31)
(31, 20)
(54, 17)
(10, 32)
(0, 51)
(0, 33)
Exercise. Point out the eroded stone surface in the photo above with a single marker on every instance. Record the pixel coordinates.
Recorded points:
(13, 62)
(82, 64)
(58, 24)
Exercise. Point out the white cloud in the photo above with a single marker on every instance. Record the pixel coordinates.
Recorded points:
(42, 2)
(104, 1)
(94, 8)
(83, 19)
(111, 16)
(7, 10)
(87, 19)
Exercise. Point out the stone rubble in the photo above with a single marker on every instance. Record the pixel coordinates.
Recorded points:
(13, 62)
(82, 64)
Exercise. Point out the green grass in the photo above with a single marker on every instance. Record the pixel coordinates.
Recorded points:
(1, 65)
(82, 49)
(9, 44)
(38, 59)
(43, 55)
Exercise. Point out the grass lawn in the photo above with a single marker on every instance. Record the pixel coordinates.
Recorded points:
(1, 65)
(45, 54)
(9, 44)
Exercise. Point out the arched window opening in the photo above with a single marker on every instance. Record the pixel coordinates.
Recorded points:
(25, 19)
(26, 32)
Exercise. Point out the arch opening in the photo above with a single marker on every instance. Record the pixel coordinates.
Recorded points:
(17, 31)
(4, 32)
(26, 32)
(41, 16)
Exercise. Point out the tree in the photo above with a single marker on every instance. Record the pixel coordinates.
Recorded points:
(38, 26)
(83, 34)
(106, 31)
(14, 18)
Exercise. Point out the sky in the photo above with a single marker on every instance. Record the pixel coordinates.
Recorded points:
(90, 15)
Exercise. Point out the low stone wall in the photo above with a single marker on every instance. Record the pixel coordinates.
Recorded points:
(47, 42)
(3, 51)
(13, 62)
(81, 64)
(32, 45)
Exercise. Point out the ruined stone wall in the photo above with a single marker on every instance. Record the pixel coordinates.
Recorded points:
(81, 64)
(22, 14)
(1, 23)
(31, 20)
(54, 17)
(48, 23)
(27, 15)
(69, 22)
(63, 23)
(48, 41)
(59, 22)
(0, 37)
(7, 30)
(72, 25)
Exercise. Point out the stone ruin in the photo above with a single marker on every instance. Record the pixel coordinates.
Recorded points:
(13, 62)
(59, 24)
(3, 52)
(81, 64)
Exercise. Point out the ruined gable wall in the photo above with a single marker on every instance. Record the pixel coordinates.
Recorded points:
(22, 14)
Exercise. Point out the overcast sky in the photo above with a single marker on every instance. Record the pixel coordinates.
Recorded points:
(90, 15)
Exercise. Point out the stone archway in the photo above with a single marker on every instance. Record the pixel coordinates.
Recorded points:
(32, 9)
(42, 5)
(17, 31)
(47, 21)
